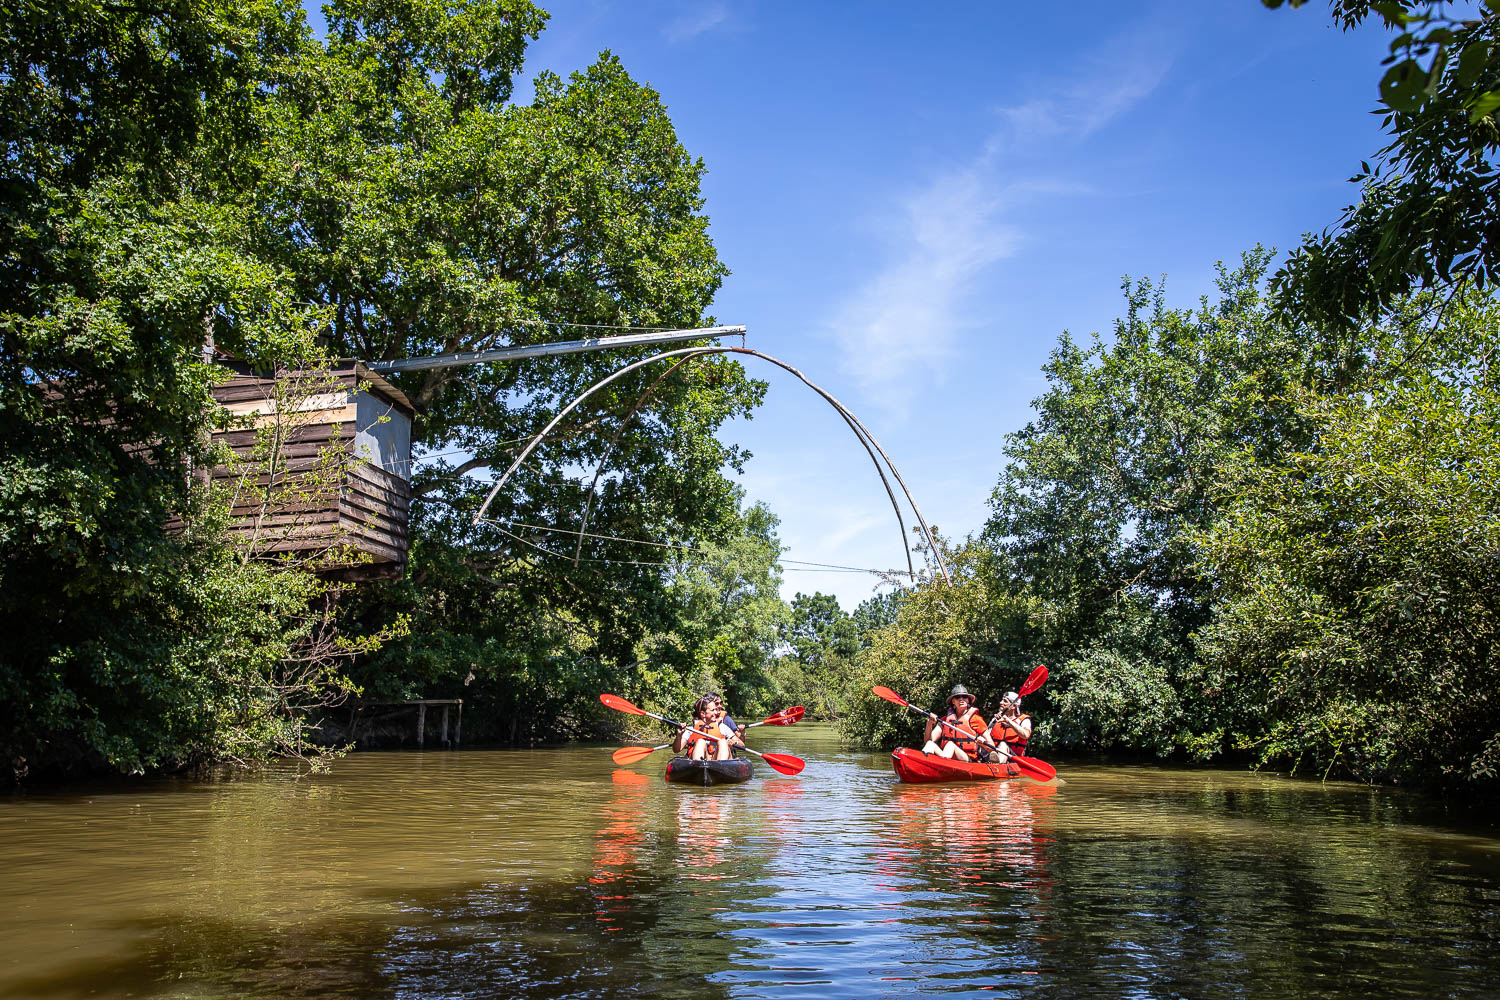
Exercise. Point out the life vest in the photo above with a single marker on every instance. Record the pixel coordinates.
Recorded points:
(1007, 732)
(970, 720)
(695, 737)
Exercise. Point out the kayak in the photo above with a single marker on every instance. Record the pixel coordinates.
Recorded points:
(917, 767)
(687, 771)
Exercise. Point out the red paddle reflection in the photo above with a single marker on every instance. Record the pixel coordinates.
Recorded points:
(617, 847)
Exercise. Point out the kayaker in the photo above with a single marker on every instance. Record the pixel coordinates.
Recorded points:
(961, 713)
(1011, 729)
(706, 719)
(727, 724)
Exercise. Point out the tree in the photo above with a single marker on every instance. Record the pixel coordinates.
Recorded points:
(983, 631)
(1357, 576)
(142, 644)
(822, 640)
(203, 173)
(1426, 215)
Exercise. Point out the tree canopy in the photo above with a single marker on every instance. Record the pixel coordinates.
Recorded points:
(1425, 218)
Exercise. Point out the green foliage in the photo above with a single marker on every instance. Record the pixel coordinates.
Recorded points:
(981, 632)
(1426, 216)
(143, 647)
(823, 640)
(1358, 576)
(1112, 701)
(1227, 535)
(204, 172)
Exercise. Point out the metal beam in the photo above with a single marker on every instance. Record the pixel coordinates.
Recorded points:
(547, 350)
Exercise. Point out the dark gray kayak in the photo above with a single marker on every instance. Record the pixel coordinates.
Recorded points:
(687, 771)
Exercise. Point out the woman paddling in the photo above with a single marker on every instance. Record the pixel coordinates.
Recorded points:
(707, 718)
(1011, 730)
(961, 713)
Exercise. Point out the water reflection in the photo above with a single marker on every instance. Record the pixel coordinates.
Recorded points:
(554, 874)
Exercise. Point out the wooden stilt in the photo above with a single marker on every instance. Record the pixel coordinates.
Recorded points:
(443, 731)
(421, 721)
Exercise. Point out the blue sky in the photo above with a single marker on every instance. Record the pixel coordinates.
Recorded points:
(915, 200)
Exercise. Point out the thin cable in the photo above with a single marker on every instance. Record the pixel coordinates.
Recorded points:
(682, 547)
(560, 555)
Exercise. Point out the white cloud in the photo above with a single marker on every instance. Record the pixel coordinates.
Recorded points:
(699, 18)
(903, 321)
(1082, 105)
(898, 330)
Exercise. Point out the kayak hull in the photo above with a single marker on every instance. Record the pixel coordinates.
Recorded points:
(686, 771)
(920, 768)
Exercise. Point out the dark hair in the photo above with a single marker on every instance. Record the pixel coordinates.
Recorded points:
(704, 702)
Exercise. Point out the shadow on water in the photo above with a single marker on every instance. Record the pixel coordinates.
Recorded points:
(486, 941)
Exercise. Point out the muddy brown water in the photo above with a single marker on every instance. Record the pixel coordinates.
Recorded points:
(553, 873)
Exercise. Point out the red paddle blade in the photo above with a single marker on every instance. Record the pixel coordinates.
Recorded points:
(629, 755)
(786, 717)
(1037, 679)
(1036, 768)
(784, 762)
(619, 704)
(889, 695)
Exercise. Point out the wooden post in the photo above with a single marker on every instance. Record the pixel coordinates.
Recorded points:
(459, 725)
(421, 721)
(443, 732)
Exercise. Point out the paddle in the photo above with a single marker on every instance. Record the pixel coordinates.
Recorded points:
(1037, 679)
(785, 717)
(785, 763)
(1038, 768)
(629, 755)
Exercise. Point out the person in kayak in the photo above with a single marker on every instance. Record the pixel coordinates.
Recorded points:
(707, 718)
(1011, 729)
(726, 723)
(961, 713)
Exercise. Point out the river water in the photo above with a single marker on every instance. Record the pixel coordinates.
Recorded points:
(556, 874)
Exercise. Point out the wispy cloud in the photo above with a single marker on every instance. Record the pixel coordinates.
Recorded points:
(1101, 91)
(701, 17)
(903, 321)
(899, 328)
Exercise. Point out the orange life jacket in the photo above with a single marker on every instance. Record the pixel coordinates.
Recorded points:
(972, 721)
(1008, 733)
(695, 737)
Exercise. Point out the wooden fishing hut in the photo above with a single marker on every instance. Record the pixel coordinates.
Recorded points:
(323, 466)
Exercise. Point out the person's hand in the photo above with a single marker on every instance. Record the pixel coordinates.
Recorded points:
(932, 716)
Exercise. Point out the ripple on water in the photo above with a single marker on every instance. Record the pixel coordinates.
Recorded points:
(555, 874)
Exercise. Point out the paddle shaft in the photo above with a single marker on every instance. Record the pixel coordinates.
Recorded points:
(708, 736)
(779, 719)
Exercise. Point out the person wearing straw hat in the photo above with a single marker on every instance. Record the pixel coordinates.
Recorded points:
(961, 713)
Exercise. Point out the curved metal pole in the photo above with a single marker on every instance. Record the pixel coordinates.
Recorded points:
(911, 570)
(588, 505)
(531, 445)
(931, 541)
(860, 431)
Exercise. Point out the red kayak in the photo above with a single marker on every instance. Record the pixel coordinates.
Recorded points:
(917, 767)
